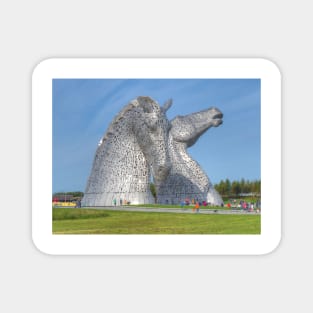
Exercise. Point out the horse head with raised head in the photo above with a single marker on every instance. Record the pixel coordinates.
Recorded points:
(189, 128)
(186, 178)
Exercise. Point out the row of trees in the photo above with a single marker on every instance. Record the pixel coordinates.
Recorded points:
(73, 195)
(236, 188)
(226, 188)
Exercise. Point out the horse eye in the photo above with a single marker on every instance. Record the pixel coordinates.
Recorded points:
(152, 125)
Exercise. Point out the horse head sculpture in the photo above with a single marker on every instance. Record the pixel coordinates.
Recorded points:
(189, 128)
(134, 147)
(186, 178)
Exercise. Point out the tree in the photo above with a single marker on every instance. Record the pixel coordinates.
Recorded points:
(256, 186)
(242, 185)
(74, 195)
(227, 186)
(221, 187)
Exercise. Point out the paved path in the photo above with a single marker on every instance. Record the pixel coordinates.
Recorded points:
(178, 210)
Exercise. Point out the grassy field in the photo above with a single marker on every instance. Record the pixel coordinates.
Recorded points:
(90, 221)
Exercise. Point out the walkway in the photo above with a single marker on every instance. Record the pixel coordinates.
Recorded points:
(170, 210)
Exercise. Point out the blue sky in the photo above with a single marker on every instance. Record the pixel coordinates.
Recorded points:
(83, 109)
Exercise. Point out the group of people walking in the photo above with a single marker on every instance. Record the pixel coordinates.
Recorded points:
(121, 202)
(244, 205)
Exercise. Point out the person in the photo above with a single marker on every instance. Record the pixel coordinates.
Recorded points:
(121, 202)
(196, 207)
(182, 203)
(114, 201)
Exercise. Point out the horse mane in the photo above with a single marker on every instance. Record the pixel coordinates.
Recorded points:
(147, 104)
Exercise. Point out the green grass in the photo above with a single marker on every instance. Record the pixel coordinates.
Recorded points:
(91, 221)
(73, 214)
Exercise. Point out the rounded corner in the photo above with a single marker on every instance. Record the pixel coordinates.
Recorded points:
(272, 65)
(273, 247)
(41, 65)
(39, 248)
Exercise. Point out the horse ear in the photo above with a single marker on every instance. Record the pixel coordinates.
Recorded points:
(167, 105)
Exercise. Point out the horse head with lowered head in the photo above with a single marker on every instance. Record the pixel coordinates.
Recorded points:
(134, 148)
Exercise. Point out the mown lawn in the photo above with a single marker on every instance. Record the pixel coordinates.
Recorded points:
(90, 221)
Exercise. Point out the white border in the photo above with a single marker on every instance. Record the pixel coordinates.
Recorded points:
(264, 243)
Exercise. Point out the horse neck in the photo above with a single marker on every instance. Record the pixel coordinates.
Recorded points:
(184, 165)
(123, 161)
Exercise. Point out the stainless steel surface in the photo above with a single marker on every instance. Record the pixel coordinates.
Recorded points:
(141, 143)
